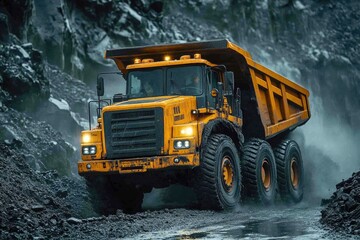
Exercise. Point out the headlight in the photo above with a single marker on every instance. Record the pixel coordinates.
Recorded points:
(85, 150)
(181, 144)
(89, 150)
(93, 150)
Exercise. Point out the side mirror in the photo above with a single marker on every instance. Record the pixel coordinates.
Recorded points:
(238, 93)
(100, 87)
(220, 87)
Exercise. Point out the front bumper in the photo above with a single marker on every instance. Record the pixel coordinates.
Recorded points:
(136, 165)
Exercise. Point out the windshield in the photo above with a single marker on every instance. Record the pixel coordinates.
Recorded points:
(180, 80)
(184, 80)
(146, 83)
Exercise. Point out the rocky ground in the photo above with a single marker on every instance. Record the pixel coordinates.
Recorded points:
(343, 208)
(34, 203)
(43, 204)
(38, 190)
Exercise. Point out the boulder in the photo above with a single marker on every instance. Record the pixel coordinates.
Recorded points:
(23, 83)
(343, 210)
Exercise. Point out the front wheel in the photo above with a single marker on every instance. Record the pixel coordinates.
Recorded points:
(218, 184)
(108, 195)
(129, 196)
(132, 199)
(103, 196)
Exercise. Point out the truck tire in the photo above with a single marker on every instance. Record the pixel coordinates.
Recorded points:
(103, 196)
(290, 171)
(131, 199)
(259, 172)
(218, 179)
(107, 197)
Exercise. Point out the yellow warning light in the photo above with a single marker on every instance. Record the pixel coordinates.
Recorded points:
(184, 57)
(147, 60)
(137, 60)
(167, 58)
(197, 56)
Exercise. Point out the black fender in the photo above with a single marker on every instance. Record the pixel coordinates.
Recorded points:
(223, 126)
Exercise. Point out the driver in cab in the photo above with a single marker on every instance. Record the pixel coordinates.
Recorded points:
(194, 85)
(147, 89)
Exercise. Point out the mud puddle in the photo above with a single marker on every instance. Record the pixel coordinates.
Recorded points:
(301, 222)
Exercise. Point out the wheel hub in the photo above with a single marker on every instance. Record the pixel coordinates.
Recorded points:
(266, 174)
(294, 173)
(227, 173)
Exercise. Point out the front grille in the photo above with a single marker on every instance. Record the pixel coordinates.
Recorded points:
(134, 133)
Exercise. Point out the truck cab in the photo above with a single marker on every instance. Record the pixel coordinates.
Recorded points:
(158, 123)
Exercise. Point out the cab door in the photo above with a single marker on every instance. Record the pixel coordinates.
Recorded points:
(212, 79)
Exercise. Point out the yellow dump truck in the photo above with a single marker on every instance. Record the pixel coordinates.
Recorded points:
(202, 114)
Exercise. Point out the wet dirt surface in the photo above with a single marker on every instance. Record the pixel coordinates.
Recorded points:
(281, 222)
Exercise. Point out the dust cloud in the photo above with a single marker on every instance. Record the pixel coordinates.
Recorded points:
(330, 151)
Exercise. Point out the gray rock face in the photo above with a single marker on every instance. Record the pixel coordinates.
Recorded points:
(19, 13)
(4, 28)
(23, 84)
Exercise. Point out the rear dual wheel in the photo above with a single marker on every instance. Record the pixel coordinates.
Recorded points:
(259, 172)
(263, 173)
(290, 171)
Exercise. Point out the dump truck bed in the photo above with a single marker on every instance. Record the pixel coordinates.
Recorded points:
(271, 103)
(282, 104)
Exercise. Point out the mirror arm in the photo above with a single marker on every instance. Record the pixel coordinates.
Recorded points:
(220, 95)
